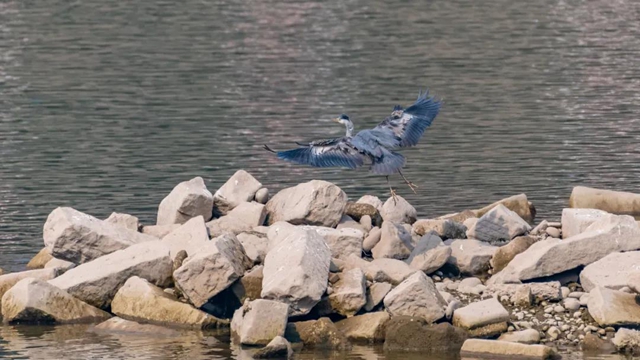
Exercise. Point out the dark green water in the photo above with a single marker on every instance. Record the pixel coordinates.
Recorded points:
(106, 105)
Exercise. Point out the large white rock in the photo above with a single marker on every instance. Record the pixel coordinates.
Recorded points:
(241, 187)
(398, 211)
(394, 271)
(416, 296)
(211, 270)
(478, 317)
(614, 202)
(552, 256)
(430, 253)
(471, 257)
(612, 271)
(9, 280)
(259, 321)
(296, 271)
(313, 203)
(349, 293)
(576, 221)
(187, 200)
(138, 300)
(613, 308)
(190, 237)
(77, 237)
(125, 220)
(36, 301)
(97, 281)
(243, 217)
(342, 242)
(498, 224)
(278, 232)
(395, 242)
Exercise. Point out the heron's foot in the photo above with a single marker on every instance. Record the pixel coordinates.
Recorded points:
(393, 195)
(412, 186)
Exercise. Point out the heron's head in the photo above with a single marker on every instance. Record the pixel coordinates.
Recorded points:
(342, 119)
(397, 112)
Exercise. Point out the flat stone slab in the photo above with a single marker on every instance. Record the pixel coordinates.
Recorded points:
(614, 202)
(576, 221)
(7, 281)
(612, 271)
(496, 348)
(480, 314)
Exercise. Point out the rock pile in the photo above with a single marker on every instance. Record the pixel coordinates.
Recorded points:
(279, 270)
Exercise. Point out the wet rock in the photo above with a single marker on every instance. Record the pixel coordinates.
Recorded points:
(210, 270)
(262, 196)
(593, 343)
(125, 220)
(544, 291)
(498, 224)
(7, 281)
(485, 318)
(395, 242)
(471, 257)
(504, 254)
(576, 221)
(395, 271)
(496, 348)
(62, 265)
(190, 237)
(375, 294)
(317, 334)
(296, 271)
(416, 296)
(187, 200)
(119, 325)
(398, 211)
(444, 228)
(553, 256)
(241, 187)
(405, 333)
(612, 271)
(278, 348)
(349, 294)
(77, 237)
(138, 300)
(254, 246)
(36, 301)
(250, 285)
(40, 259)
(372, 239)
(627, 341)
(613, 308)
(430, 254)
(517, 203)
(341, 242)
(97, 281)
(528, 336)
(366, 328)
(614, 202)
(259, 321)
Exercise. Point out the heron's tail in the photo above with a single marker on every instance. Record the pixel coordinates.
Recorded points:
(389, 163)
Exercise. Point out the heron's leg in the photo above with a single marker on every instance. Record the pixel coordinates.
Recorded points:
(411, 185)
(393, 192)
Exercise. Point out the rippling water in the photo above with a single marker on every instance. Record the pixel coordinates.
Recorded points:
(105, 105)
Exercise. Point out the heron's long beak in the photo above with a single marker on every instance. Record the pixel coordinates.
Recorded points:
(336, 120)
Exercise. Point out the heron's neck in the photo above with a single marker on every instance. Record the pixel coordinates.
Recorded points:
(349, 126)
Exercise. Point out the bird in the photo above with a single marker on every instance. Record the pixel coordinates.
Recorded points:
(376, 147)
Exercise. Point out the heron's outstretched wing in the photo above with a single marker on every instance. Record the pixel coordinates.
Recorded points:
(324, 153)
(405, 127)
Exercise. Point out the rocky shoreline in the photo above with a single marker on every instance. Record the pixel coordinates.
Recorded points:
(307, 268)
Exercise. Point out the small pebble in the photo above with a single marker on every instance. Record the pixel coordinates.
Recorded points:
(565, 292)
(565, 327)
(577, 314)
(602, 332)
(558, 309)
(548, 310)
(436, 278)
(609, 329)
(553, 232)
(576, 294)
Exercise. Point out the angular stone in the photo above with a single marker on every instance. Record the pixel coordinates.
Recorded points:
(241, 187)
(544, 291)
(627, 341)
(77, 237)
(614, 202)
(483, 318)
(212, 269)
(190, 237)
(372, 239)
(517, 203)
(395, 271)
(312, 203)
(576, 221)
(125, 220)
(7, 281)
(62, 265)
(416, 296)
(317, 334)
(367, 328)
(528, 336)
(35, 301)
(259, 321)
(40, 259)
(242, 218)
(341, 242)
(262, 195)
(278, 348)
(613, 308)
(254, 246)
(119, 325)
(278, 232)
(523, 297)
(430, 254)
(405, 333)
(497, 348)
(553, 256)
(498, 224)
(395, 242)
(187, 200)
(250, 285)
(471, 257)
(398, 211)
(296, 271)
(350, 293)
(375, 294)
(138, 300)
(444, 228)
(97, 281)
(612, 271)
(503, 256)
(371, 200)
(159, 231)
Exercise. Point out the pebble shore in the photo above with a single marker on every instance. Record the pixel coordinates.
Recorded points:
(308, 267)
